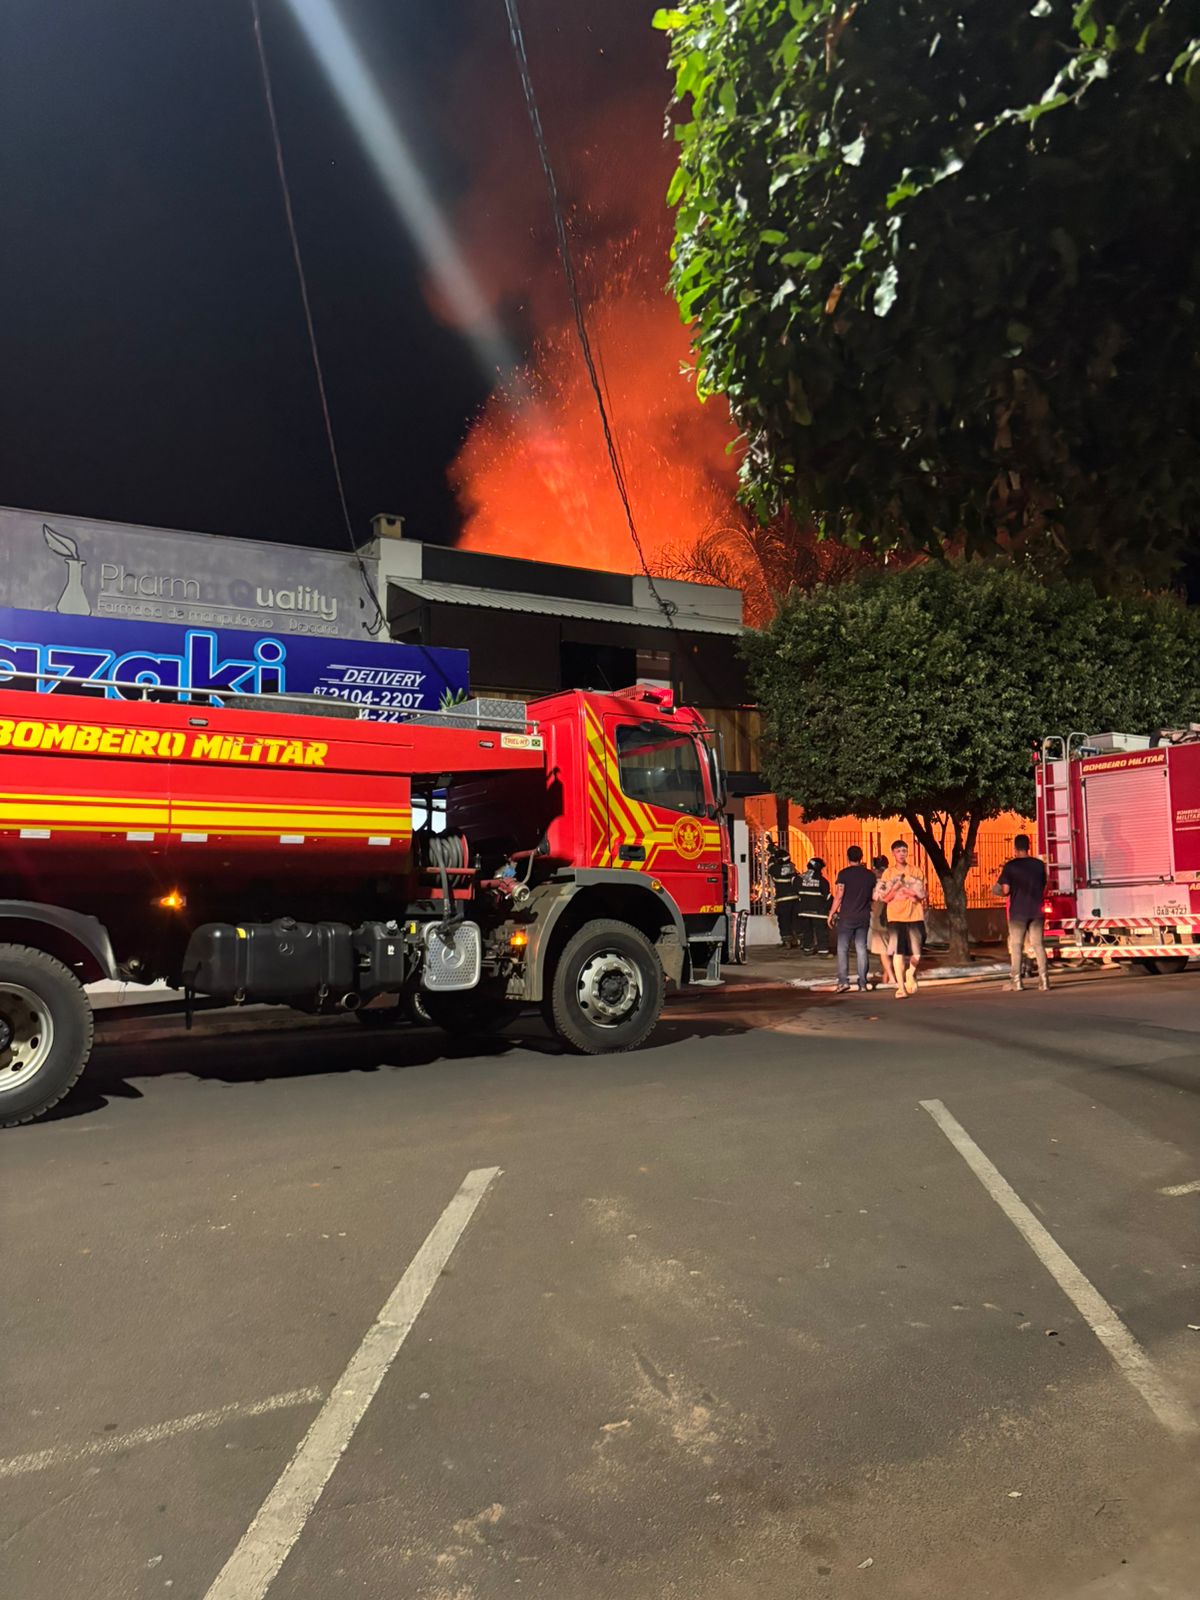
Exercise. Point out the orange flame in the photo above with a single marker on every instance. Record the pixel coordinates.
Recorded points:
(533, 477)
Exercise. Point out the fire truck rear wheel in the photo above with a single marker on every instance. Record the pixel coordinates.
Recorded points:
(607, 990)
(1161, 965)
(45, 1032)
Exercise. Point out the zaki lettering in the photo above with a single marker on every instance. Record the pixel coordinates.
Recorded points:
(199, 670)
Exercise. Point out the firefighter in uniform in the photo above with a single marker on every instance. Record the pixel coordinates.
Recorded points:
(815, 900)
(783, 882)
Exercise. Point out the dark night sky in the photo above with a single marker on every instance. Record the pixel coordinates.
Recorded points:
(155, 366)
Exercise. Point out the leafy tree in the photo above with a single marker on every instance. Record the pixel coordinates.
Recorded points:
(943, 261)
(920, 694)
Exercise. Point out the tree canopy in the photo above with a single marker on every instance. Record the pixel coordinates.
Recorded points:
(920, 693)
(943, 259)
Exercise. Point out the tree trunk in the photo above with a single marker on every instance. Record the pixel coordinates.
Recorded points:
(958, 931)
(934, 832)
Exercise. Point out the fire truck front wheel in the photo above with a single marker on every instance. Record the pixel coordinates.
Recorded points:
(607, 990)
(45, 1032)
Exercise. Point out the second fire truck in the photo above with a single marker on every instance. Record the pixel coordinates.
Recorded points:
(1118, 820)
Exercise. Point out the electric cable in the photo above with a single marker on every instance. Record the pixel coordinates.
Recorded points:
(516, 34)
(309, 323)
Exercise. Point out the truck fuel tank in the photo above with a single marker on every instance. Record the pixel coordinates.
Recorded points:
(271, 961)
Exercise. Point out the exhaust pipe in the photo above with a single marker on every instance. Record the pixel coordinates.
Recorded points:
(351, 1001)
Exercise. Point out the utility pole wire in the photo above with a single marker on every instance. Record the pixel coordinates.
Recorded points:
(285, 189)
(517, 36)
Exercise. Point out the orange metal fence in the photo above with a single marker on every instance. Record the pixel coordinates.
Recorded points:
(830, 840)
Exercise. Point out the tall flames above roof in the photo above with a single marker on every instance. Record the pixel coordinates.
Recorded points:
(533, 477)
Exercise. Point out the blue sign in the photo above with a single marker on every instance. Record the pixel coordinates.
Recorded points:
(66, 653)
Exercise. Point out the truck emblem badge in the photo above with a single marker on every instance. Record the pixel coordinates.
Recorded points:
(688, 838)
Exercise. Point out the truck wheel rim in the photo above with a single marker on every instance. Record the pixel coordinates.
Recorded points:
(610, 988)
(27, 1034)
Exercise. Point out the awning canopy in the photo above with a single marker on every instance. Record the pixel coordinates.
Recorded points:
(542, 605)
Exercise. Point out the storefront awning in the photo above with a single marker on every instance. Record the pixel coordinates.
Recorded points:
(428, 592)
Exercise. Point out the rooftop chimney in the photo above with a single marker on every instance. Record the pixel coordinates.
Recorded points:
(386, 525)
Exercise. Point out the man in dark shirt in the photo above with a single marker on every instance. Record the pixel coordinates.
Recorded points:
(851, 912)
(1022, 882)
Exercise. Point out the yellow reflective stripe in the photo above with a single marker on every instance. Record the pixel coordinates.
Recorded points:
(251, 807)
(354, 821)
(76, 818)
(116, 814)
(285, 825)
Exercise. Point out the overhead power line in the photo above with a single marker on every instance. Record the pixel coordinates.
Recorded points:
(517, 36)
(310, 325)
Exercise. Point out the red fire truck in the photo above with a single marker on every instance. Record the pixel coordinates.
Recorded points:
(570, 854)
(1119, 824)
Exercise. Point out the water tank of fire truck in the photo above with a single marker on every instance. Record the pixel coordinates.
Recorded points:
(1103, 743)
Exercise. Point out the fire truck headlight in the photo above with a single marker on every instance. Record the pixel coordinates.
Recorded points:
(173, 901)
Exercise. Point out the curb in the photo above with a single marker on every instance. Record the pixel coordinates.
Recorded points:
(937, 975)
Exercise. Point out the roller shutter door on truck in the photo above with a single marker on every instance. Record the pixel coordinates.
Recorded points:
(1128, 824)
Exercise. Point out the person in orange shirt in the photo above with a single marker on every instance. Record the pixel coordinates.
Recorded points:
(904, 893)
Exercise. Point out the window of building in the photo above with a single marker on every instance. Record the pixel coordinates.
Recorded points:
(655, 666)
(596, 666)
(740, 729)
(660, 767)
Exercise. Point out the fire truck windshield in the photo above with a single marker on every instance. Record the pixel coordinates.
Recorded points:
(662, 767)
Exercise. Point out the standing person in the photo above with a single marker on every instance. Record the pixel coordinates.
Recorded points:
(815, 900)
(904, 894)
(853, 894)
(879, 928)
(1022, 882)
(787, 896)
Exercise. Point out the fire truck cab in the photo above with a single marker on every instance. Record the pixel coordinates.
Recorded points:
(571, 855)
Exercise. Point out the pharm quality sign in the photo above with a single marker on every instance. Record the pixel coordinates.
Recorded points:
(121, 659)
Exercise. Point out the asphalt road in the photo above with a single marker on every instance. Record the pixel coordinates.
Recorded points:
(736, 1319)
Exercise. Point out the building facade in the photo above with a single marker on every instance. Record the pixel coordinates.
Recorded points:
(119, 610)
(396, 627)
(534, 627)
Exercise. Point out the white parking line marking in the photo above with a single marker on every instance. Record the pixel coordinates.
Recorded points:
(113, 1444)
(1177, 1189)
(1132, 1361)
(264, 1547)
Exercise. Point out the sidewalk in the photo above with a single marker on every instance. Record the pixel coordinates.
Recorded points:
(773, 964)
